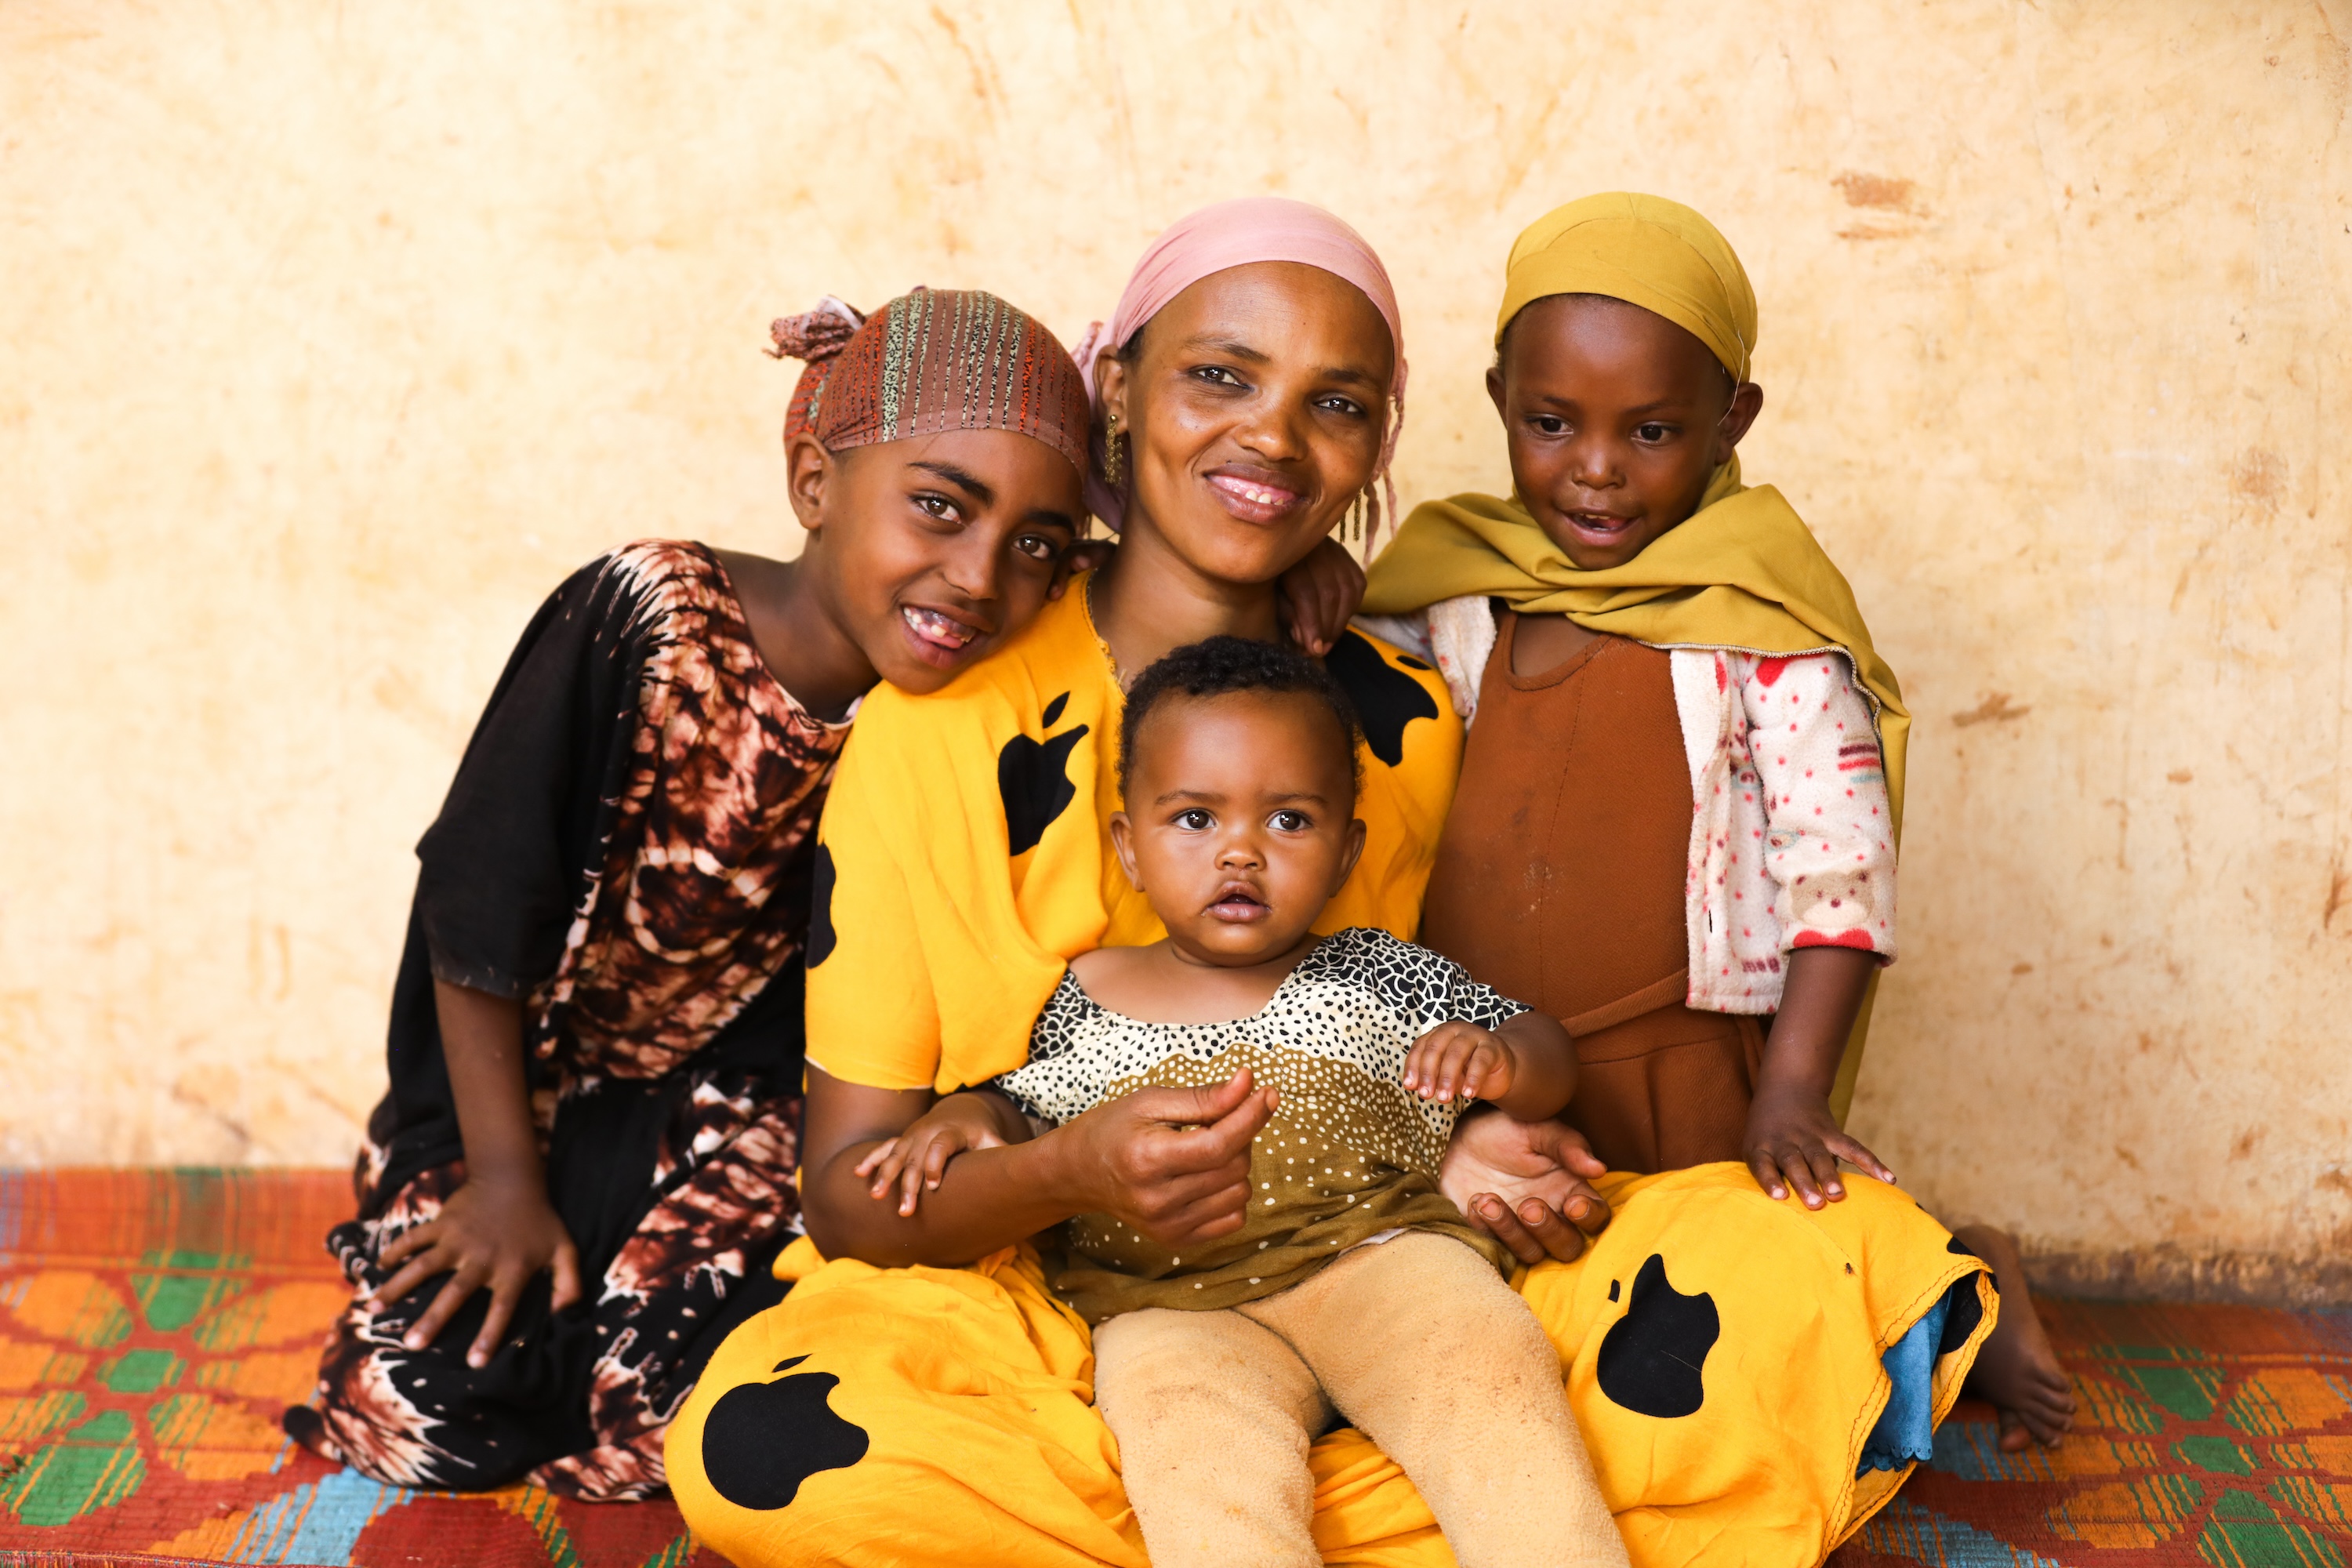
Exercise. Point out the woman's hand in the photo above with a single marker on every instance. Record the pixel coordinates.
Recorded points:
(917, 1158)
(487, 1236)
(1320, 596)
(1172, 1162)
(1794, 1142)
(1525, 1184)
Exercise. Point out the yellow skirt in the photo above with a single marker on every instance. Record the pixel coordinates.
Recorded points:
(1721, 1352)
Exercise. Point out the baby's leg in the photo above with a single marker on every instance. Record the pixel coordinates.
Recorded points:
(1214, 1415)
(1423, 1346)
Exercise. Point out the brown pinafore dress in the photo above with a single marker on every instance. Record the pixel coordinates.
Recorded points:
(1559, 881)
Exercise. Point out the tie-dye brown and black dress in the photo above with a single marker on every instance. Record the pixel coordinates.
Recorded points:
(627, 850)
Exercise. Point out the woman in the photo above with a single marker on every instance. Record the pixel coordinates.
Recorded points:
(899, 1407)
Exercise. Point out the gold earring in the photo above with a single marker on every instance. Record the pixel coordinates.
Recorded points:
(1111, 459)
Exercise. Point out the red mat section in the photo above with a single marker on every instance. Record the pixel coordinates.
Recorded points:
(154, 1323)
(152, 1326)
(2212, 1436)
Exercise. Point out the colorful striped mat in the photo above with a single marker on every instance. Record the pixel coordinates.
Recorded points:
(2209, 1435)
(152, 1326)
(153, 1323)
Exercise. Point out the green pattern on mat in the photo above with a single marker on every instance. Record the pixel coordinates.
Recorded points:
(154, 1324)
(2208, 1435)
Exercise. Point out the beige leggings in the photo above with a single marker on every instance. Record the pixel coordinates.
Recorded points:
(1420, 1343)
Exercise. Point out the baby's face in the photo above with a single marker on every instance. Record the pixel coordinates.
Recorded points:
(1240, 822)
(1616, 417)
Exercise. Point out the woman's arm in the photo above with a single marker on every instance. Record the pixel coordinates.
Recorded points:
(1173, 1162)
(499, 1229)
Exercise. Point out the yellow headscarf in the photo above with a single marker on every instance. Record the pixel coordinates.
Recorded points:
(1743, 572)
(1646, 251)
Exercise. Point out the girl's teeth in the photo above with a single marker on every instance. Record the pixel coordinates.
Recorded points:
(934, 627)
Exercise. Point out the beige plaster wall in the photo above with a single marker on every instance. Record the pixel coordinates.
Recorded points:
(334, 336)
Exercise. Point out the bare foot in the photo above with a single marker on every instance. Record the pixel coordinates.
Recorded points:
(2017, 1370)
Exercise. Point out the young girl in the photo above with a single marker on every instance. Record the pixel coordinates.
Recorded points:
(596, 1030)
(1351, 1275)
(1699, 876)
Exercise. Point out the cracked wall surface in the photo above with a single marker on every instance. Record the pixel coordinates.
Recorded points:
(335, 336)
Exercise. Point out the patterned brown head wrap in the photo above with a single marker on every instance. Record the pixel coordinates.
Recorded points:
(934, 360)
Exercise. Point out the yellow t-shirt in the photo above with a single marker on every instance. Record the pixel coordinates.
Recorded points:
(965, 854)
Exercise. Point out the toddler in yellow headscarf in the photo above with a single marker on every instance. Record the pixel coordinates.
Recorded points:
(1699, 874)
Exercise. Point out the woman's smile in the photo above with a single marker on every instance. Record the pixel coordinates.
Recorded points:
(1252, 494)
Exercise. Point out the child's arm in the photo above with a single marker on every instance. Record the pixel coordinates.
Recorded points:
(1792, 1139)
(498, 1230)
(915, 1159)
(1524, 1067)
(1320, 597)
(1830, 855)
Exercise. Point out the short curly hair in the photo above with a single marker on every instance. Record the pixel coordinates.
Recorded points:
(1220, 665)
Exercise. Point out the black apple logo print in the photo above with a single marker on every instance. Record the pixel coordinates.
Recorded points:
(763, 1439)
(820, 936)
(1386, 697)
(1033, 777)
(1650, 1362)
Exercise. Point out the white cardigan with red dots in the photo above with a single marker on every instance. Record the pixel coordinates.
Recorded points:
(1792, 843)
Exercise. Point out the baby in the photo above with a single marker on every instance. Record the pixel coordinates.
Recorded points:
(1345, 1279)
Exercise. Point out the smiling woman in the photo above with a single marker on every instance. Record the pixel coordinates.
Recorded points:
(1249, 386)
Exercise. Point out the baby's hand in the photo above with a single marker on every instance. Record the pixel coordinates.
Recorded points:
(1460, 1061)
(916, 1157)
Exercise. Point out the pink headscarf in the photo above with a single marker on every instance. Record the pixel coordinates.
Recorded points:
(1236, 234)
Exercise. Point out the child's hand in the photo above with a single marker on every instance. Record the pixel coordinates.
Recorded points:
(917, 1158)
(1794, 1142)
(492, 1235)
(1084, 555)
(1460, 1061)
(1320, 596)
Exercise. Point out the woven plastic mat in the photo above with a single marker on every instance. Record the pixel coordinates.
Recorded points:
(154, 1324)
